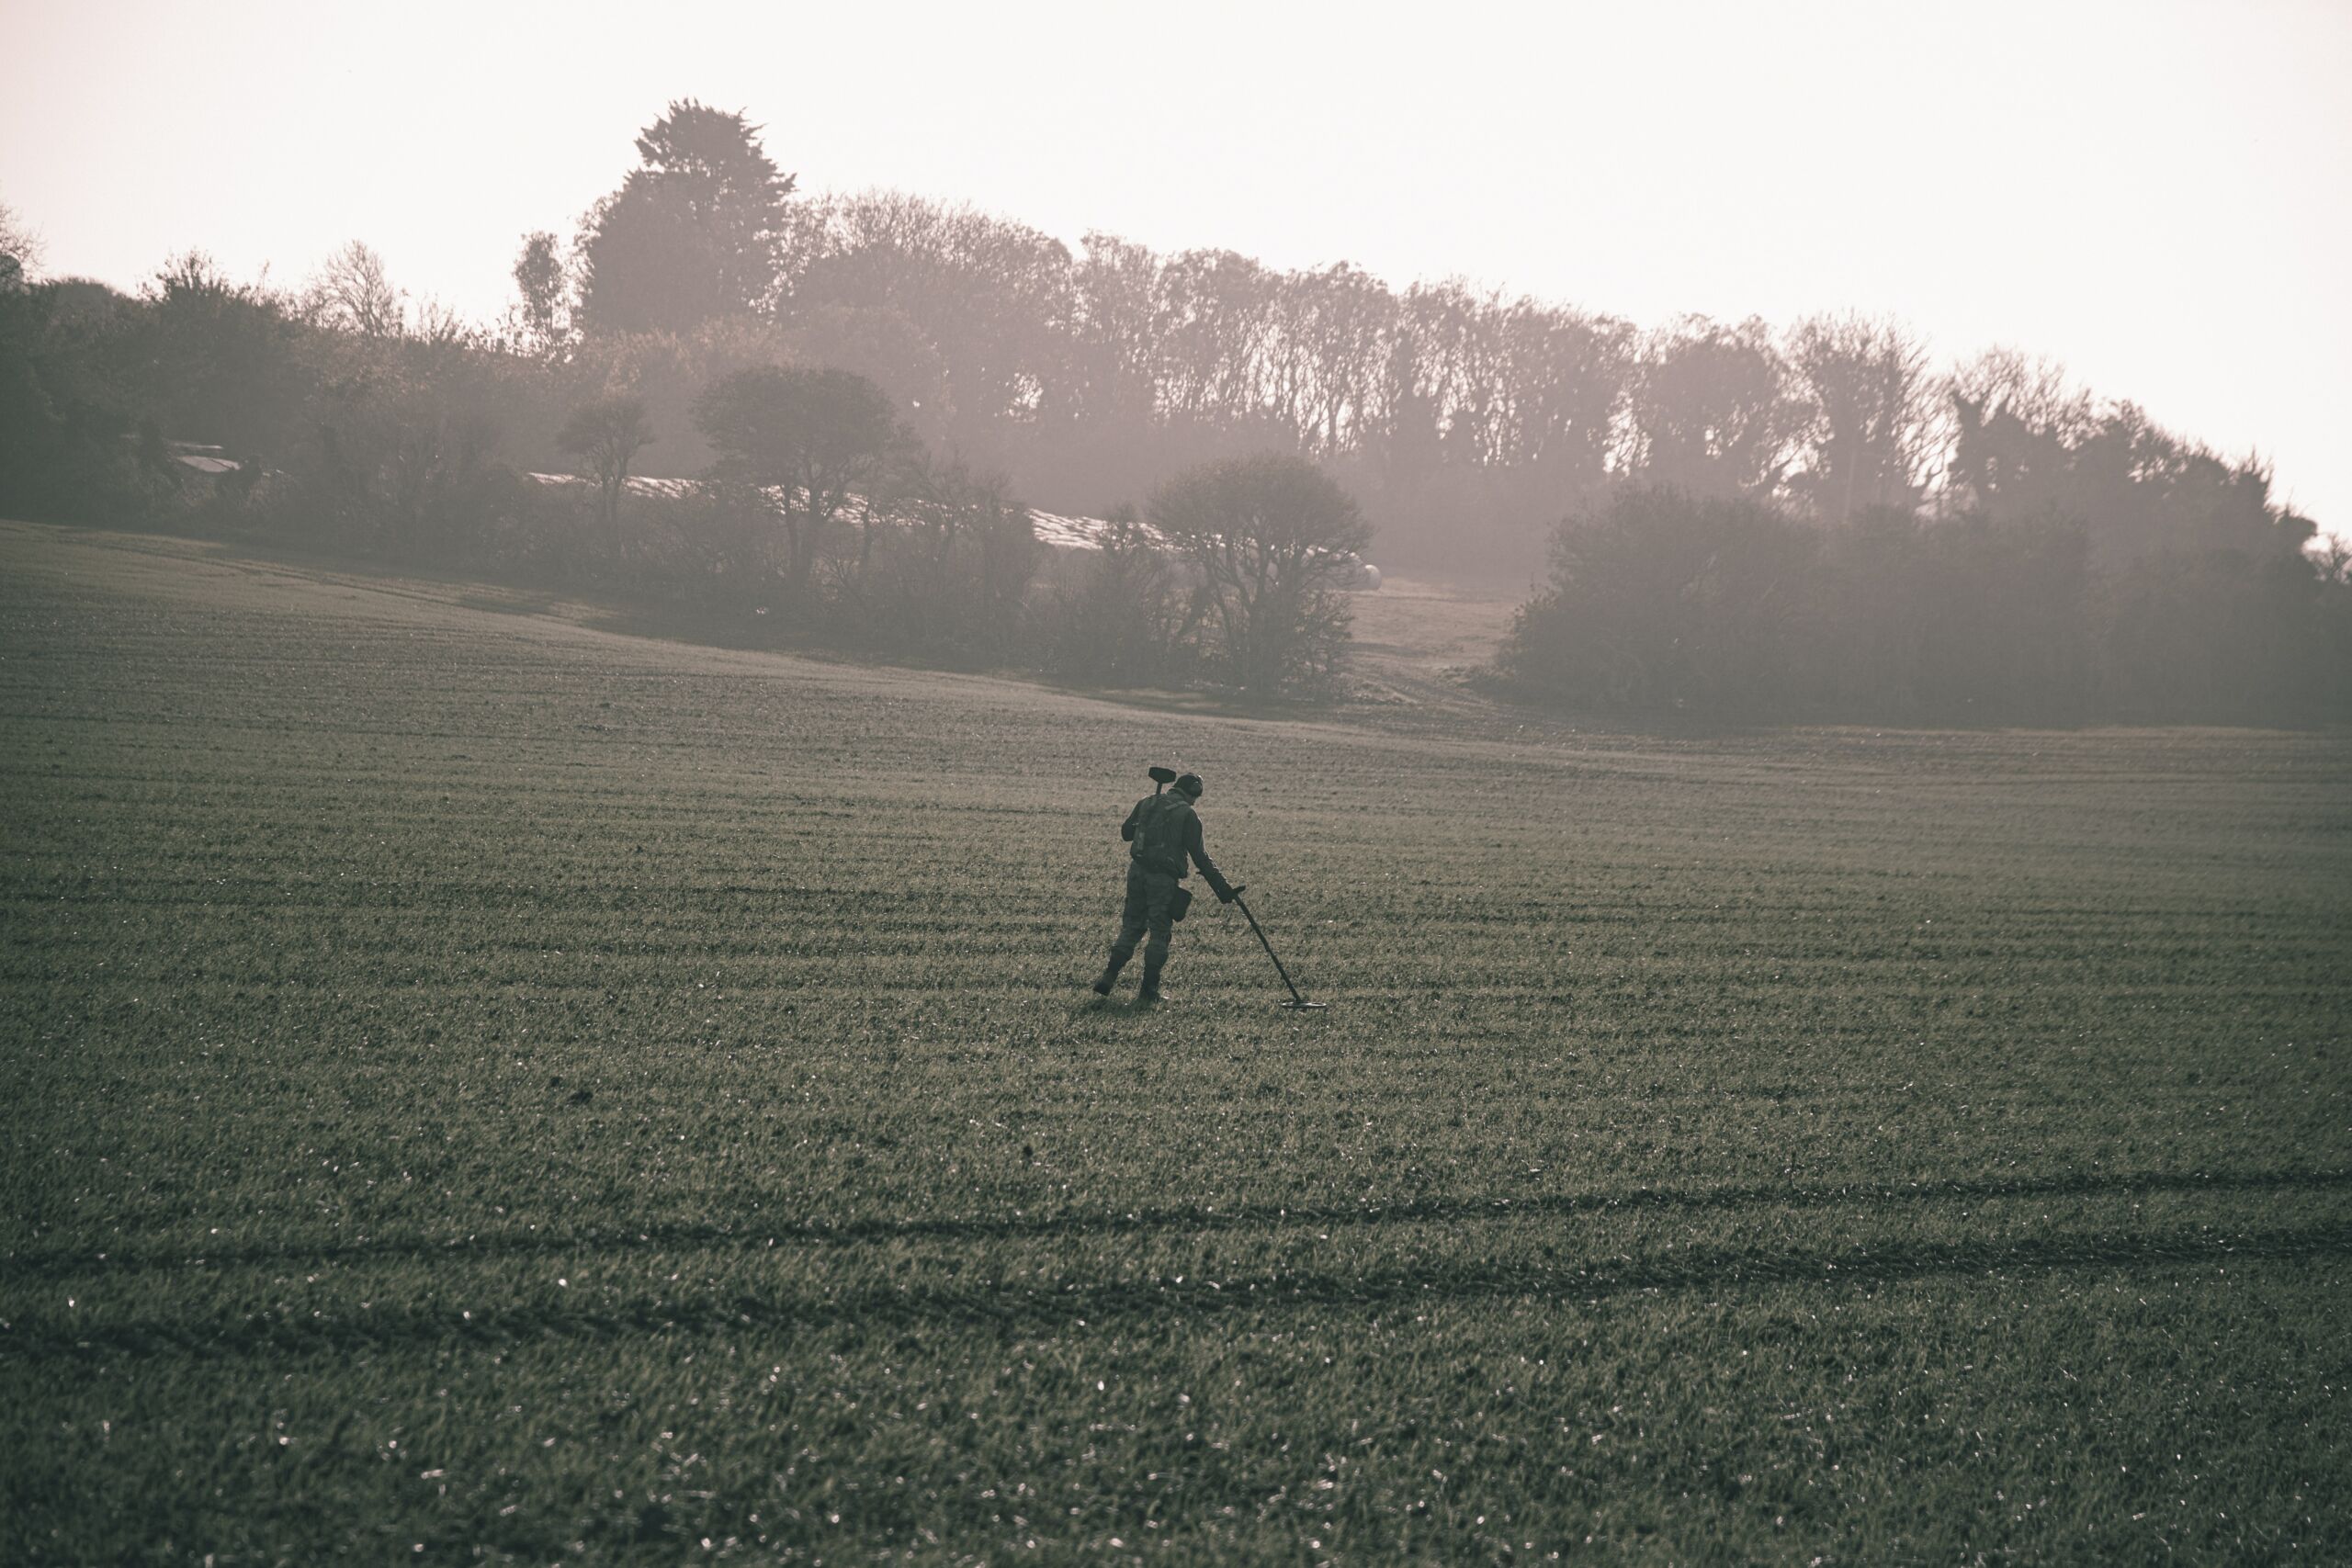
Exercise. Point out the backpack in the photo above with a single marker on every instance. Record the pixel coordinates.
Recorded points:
(1161, 833)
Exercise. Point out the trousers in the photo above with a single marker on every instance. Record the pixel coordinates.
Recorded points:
(1150, 895)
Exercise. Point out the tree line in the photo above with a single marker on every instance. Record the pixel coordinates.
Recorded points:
(1732, 609)
(1466, 425)
(1463, 418)
(338, 415)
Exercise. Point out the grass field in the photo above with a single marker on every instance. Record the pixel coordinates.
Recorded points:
(487, 1089)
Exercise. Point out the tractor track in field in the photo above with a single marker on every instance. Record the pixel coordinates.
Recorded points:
(660, 1236)
(1032, 1308)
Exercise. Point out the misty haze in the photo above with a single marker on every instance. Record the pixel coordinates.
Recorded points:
(1244, 786)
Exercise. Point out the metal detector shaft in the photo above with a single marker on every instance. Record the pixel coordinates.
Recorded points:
(1270, 949)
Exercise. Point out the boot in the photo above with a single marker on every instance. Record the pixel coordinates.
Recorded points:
(1150, 991)
(1109, 975)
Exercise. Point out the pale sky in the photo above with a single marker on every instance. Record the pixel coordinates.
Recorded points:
(2156, 193)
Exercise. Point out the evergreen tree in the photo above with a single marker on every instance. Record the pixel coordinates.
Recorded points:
(694, 233)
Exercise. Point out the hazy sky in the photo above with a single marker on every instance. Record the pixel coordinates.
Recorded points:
(2153, 193)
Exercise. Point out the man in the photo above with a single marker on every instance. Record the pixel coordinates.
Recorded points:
(1165, 835)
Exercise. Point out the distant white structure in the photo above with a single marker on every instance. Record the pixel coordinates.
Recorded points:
(195, 464)
(205, 460)
(1052, 528)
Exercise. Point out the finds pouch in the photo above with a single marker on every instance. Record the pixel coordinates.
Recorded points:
(1178, 902)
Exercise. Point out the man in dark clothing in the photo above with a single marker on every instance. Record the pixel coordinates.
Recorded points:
(1165, 835)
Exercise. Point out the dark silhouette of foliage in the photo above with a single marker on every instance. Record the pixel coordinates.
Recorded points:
(1660, 602)
(1713, 415)
(607, 434)
(219, 362)
(951, 581)
(990, 301)
(1855, 538)
(1866, 400)
(693, 233)
(66, 393)
(807, 441)
(542, 320)
(1269, 537)
(1119, 619)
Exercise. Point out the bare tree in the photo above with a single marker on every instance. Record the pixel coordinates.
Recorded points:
(992, 299)
(1335, 323)
(1711, 410)
(353, 291)
(1114, 324)
(20, 250)
(542, 280)
(2035, 388)
(2331, 560)
(811, 439)
(1216, 316)
(1270, 537)
(1865, 385)
(438, 325)
(607, 434)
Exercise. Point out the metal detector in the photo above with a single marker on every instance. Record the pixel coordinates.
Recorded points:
(1160, 778)
(1297, 1003)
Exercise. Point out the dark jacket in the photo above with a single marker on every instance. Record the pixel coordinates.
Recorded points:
(1178, 825)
